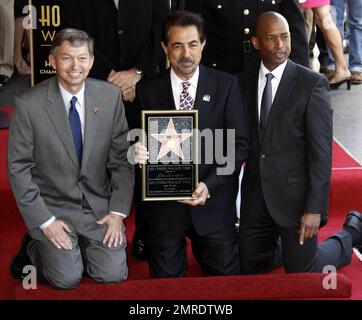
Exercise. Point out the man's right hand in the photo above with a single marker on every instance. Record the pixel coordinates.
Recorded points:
(141, 154)
(57, 234)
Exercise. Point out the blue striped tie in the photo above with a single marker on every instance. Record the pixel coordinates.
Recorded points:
(75, 126)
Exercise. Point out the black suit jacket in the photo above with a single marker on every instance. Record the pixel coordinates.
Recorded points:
(231, 23)
(290, 167)
(224, 111)
(127, 38)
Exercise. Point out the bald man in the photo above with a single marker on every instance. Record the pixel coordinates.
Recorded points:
(287, 176)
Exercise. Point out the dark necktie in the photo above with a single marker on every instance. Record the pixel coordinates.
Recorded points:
(75, 126)
(186, 101)
(266, 102)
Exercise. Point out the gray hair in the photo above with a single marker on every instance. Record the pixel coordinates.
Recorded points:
(75, 37)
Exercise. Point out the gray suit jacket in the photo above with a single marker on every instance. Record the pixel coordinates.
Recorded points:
(42, 164)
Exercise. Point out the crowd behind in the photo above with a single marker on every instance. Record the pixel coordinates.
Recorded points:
(320, 30)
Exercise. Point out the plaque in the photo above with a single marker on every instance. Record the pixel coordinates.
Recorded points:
(171, 138)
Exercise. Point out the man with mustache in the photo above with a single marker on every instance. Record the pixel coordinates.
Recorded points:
(208, 219)
(287, 175)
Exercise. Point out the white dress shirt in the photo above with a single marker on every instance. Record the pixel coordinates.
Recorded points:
(79, 104)
(176, 84)
(67, 96)
(116, 2)
(277, 73)
(177, 88)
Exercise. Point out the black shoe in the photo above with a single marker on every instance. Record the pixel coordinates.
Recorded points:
(336, 85)
(138, 248)
(354, 221)
(21, 259)
(4, 79)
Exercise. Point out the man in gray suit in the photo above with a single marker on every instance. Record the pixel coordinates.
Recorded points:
(68, 169)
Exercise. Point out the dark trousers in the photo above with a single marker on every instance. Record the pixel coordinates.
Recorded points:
(260, 253)
(139, 205)
(216, 253)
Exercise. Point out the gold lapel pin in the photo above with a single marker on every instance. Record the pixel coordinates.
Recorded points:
(95, 110)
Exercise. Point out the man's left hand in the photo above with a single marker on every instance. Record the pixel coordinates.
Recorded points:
(114, 230)
(125, 79)
(200, 194)
(309, 226)
(129, 94)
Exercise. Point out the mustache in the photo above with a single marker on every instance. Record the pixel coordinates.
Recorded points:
(185, 60)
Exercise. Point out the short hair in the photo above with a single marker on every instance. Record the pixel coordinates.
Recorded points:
(272, 15)
(75, 37)
(183, 18)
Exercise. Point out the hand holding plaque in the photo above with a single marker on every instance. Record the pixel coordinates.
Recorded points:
(200, 195)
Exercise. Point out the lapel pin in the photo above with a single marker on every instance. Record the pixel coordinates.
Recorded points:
(95, 110)
(206, 98)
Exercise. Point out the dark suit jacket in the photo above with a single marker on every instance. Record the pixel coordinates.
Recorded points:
(290, 167)
(224, 111)
(231, 23)
(127, 38)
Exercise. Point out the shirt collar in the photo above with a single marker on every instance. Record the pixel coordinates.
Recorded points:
(176, 81)
(67, 96)
(277, 72)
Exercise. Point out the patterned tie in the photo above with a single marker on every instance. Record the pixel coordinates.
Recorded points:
(266, 102)
(75, 126)
(186, 101)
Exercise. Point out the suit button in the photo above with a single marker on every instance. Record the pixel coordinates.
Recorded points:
(246, 12)
(219, 6)
(246, 31)
(120, 32)
(263, 156)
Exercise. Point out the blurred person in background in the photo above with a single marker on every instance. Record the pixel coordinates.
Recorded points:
(6, 40)
(333, 40)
